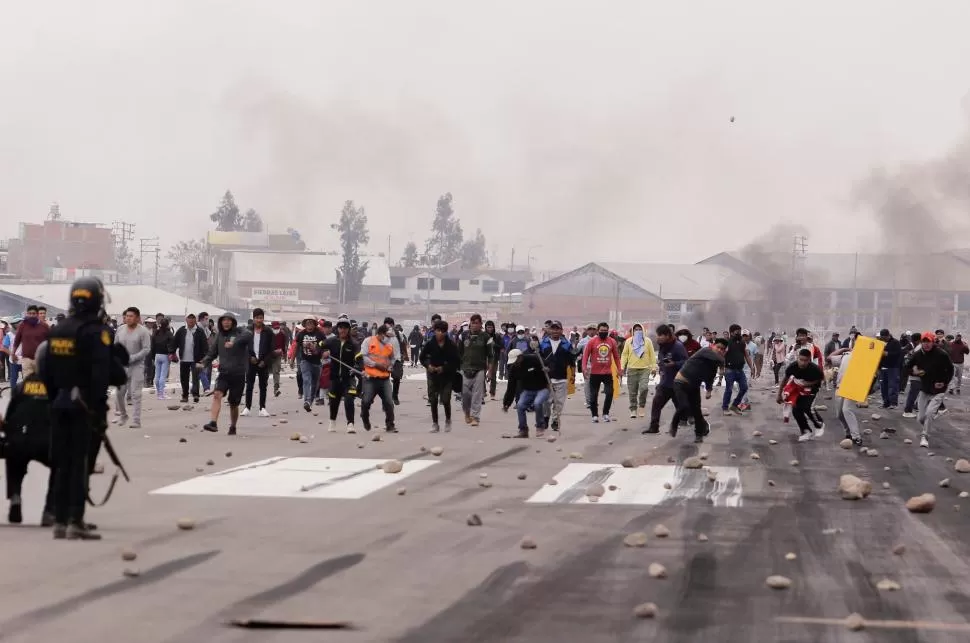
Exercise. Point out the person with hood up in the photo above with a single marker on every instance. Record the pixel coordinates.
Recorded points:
(559, 359)
(639, 361)
(498, 349)
(932, 364)
(958, 349)
(698, 370)
(309, 349)
(415, 341)
(527, 380)
(232, 350)
(685, 337)
(672, 354)
(600, 358)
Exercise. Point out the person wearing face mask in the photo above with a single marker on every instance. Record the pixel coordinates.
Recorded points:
(377, 352)
(492, 371)
(476, 348)
(690, 344)
(671, 355)
(521, 340)
(639, 362)
(600, 358)
(559, 360)
(279, 354)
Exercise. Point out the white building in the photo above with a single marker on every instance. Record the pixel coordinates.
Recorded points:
(456, 286)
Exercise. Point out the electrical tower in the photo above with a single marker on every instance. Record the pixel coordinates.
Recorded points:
(798, 253)
(54, 214)
(147, 245)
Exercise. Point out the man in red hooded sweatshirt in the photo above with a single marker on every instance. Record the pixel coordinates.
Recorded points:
(600, 357)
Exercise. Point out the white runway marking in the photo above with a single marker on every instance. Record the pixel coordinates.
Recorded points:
(341, 478)
(642, 485)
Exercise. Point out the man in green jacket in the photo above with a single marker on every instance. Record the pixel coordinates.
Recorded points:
(477, 349)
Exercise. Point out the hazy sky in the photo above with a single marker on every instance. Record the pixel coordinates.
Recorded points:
(596, 130)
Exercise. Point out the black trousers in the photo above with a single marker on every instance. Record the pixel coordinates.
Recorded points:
(492, 379)
(395, 388)
(439, 389)
(377, 387)
(17, 458)
(338, 390)
(687, 398)
(777, 368)
(299, 380)
(187, 372)
(661, 396)
(252, 374)
(594, 391)
(70, 450)
(801, 410)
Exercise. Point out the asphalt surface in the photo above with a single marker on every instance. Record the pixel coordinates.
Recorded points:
(408, 569)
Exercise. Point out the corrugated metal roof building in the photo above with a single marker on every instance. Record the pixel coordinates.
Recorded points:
(14, 298)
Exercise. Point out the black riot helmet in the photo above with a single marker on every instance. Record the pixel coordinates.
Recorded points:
(87, 297)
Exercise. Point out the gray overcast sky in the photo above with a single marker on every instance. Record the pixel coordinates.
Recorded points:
(596, 130)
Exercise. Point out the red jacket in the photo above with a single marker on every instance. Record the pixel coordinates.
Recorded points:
(600, 354)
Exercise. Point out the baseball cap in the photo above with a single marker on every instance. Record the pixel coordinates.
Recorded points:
(556, 324)
(745, 332)
(514, 354)
(928, 337)
(520, 329)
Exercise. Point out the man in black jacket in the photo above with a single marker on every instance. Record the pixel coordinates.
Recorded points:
(342, 351)
(260, 359)
(935, 370)
(700, 369)
(439, 356)
(527, 379)
(892, 359)
(190, 346)
(671, 356)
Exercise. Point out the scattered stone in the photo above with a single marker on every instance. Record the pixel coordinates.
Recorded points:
(866, 431)
(500, 511)
(757, 434)
(660, 531)
(853, 488)
(210, 462)
(528, 543)
(522, 476)
(945, 482)
(778, 582)
(392, 466)
(790, 556)
(629, 463)
(185, 524)
(855, 622)
(423, 449)
(965, 494)
(377, 438)
(551, 438)
(199, 469)
(402, 491)
(702, 538)
(794, 463)
(597, 490)
(930, 454)
(693, 462)
(295, 437)
(883, 436)
(771, 483)
(899, 550)
(636, 539)
(553, 482)
(506, 436)
(645, 610)
(474, 520)
(188, 407)
(437, 450)
(484, 484)
(228, 454)
(703, 456)
(609, 442)
(182, 440)
(962, 466)
(559, 450)
(888, 585)
(907, 441)
(612, 487)
(829, 531)
(887, 469)
(128, 554)
(174, 407)
(131, 572)
(772, 442)
(948, 460)
(864, 450)
(360, 445)
(284, 421)
(592, 499)
(885, 485)
(668, 486)
(872, 453)
(923, 504)
(304, 439)
(734, 456)
(846, 443)
(876, 417)
(656, 570)
(755, 456)
(575, 455)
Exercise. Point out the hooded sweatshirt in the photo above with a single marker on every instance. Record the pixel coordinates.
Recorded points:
(233, 359)
(630, 359)
(937, 367)
(677, 352)
(701, 368)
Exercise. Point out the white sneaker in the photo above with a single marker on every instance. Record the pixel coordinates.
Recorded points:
(350, 428)
(263, 413)
(633, 414)
(605, 418)
(908, 414)
(245, 412)
(806, 437)
(923, 442)
(820, 431)
(595, 419)
(333, 427)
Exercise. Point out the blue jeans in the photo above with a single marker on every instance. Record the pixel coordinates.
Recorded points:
(889, 385)
(537, 400)
(204, 375)
(14, 375)
(310, 375)
(161, 373)
(732, 375)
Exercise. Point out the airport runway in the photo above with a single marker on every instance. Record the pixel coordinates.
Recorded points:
(313, 532)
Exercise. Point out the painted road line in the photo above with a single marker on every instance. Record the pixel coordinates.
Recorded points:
(940, 626)
(642, 485)
(338, 478)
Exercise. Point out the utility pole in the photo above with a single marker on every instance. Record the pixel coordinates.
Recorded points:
(122, 232)
(147, 245)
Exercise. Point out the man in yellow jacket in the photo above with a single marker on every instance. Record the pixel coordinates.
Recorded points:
(639, 362)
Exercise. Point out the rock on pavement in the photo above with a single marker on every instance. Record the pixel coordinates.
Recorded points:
(853, 488)
(923, 504)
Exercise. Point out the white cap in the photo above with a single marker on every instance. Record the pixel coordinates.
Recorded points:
(514, 355)
(745, 332)
(520, 329)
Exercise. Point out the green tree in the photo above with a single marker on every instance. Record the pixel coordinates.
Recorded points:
(227, 217)
(252, 222)
(446, 233)
(410, 257)
(188, 256)
(473, 254)
(353, 234)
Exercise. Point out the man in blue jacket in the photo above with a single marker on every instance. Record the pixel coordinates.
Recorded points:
(557, 357)
(671, 355)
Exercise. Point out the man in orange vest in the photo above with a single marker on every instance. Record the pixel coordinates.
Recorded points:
(377, 352)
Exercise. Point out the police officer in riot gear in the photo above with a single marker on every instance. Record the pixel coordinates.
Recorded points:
(77, 373)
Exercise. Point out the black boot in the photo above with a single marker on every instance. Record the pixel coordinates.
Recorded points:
(211, 427)
(47, 519)
(79, 531)
(60, 532)
(15, 515)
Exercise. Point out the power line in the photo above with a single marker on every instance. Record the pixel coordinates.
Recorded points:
(149, 245)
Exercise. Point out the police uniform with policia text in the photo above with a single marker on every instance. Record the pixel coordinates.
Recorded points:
(77, 374)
